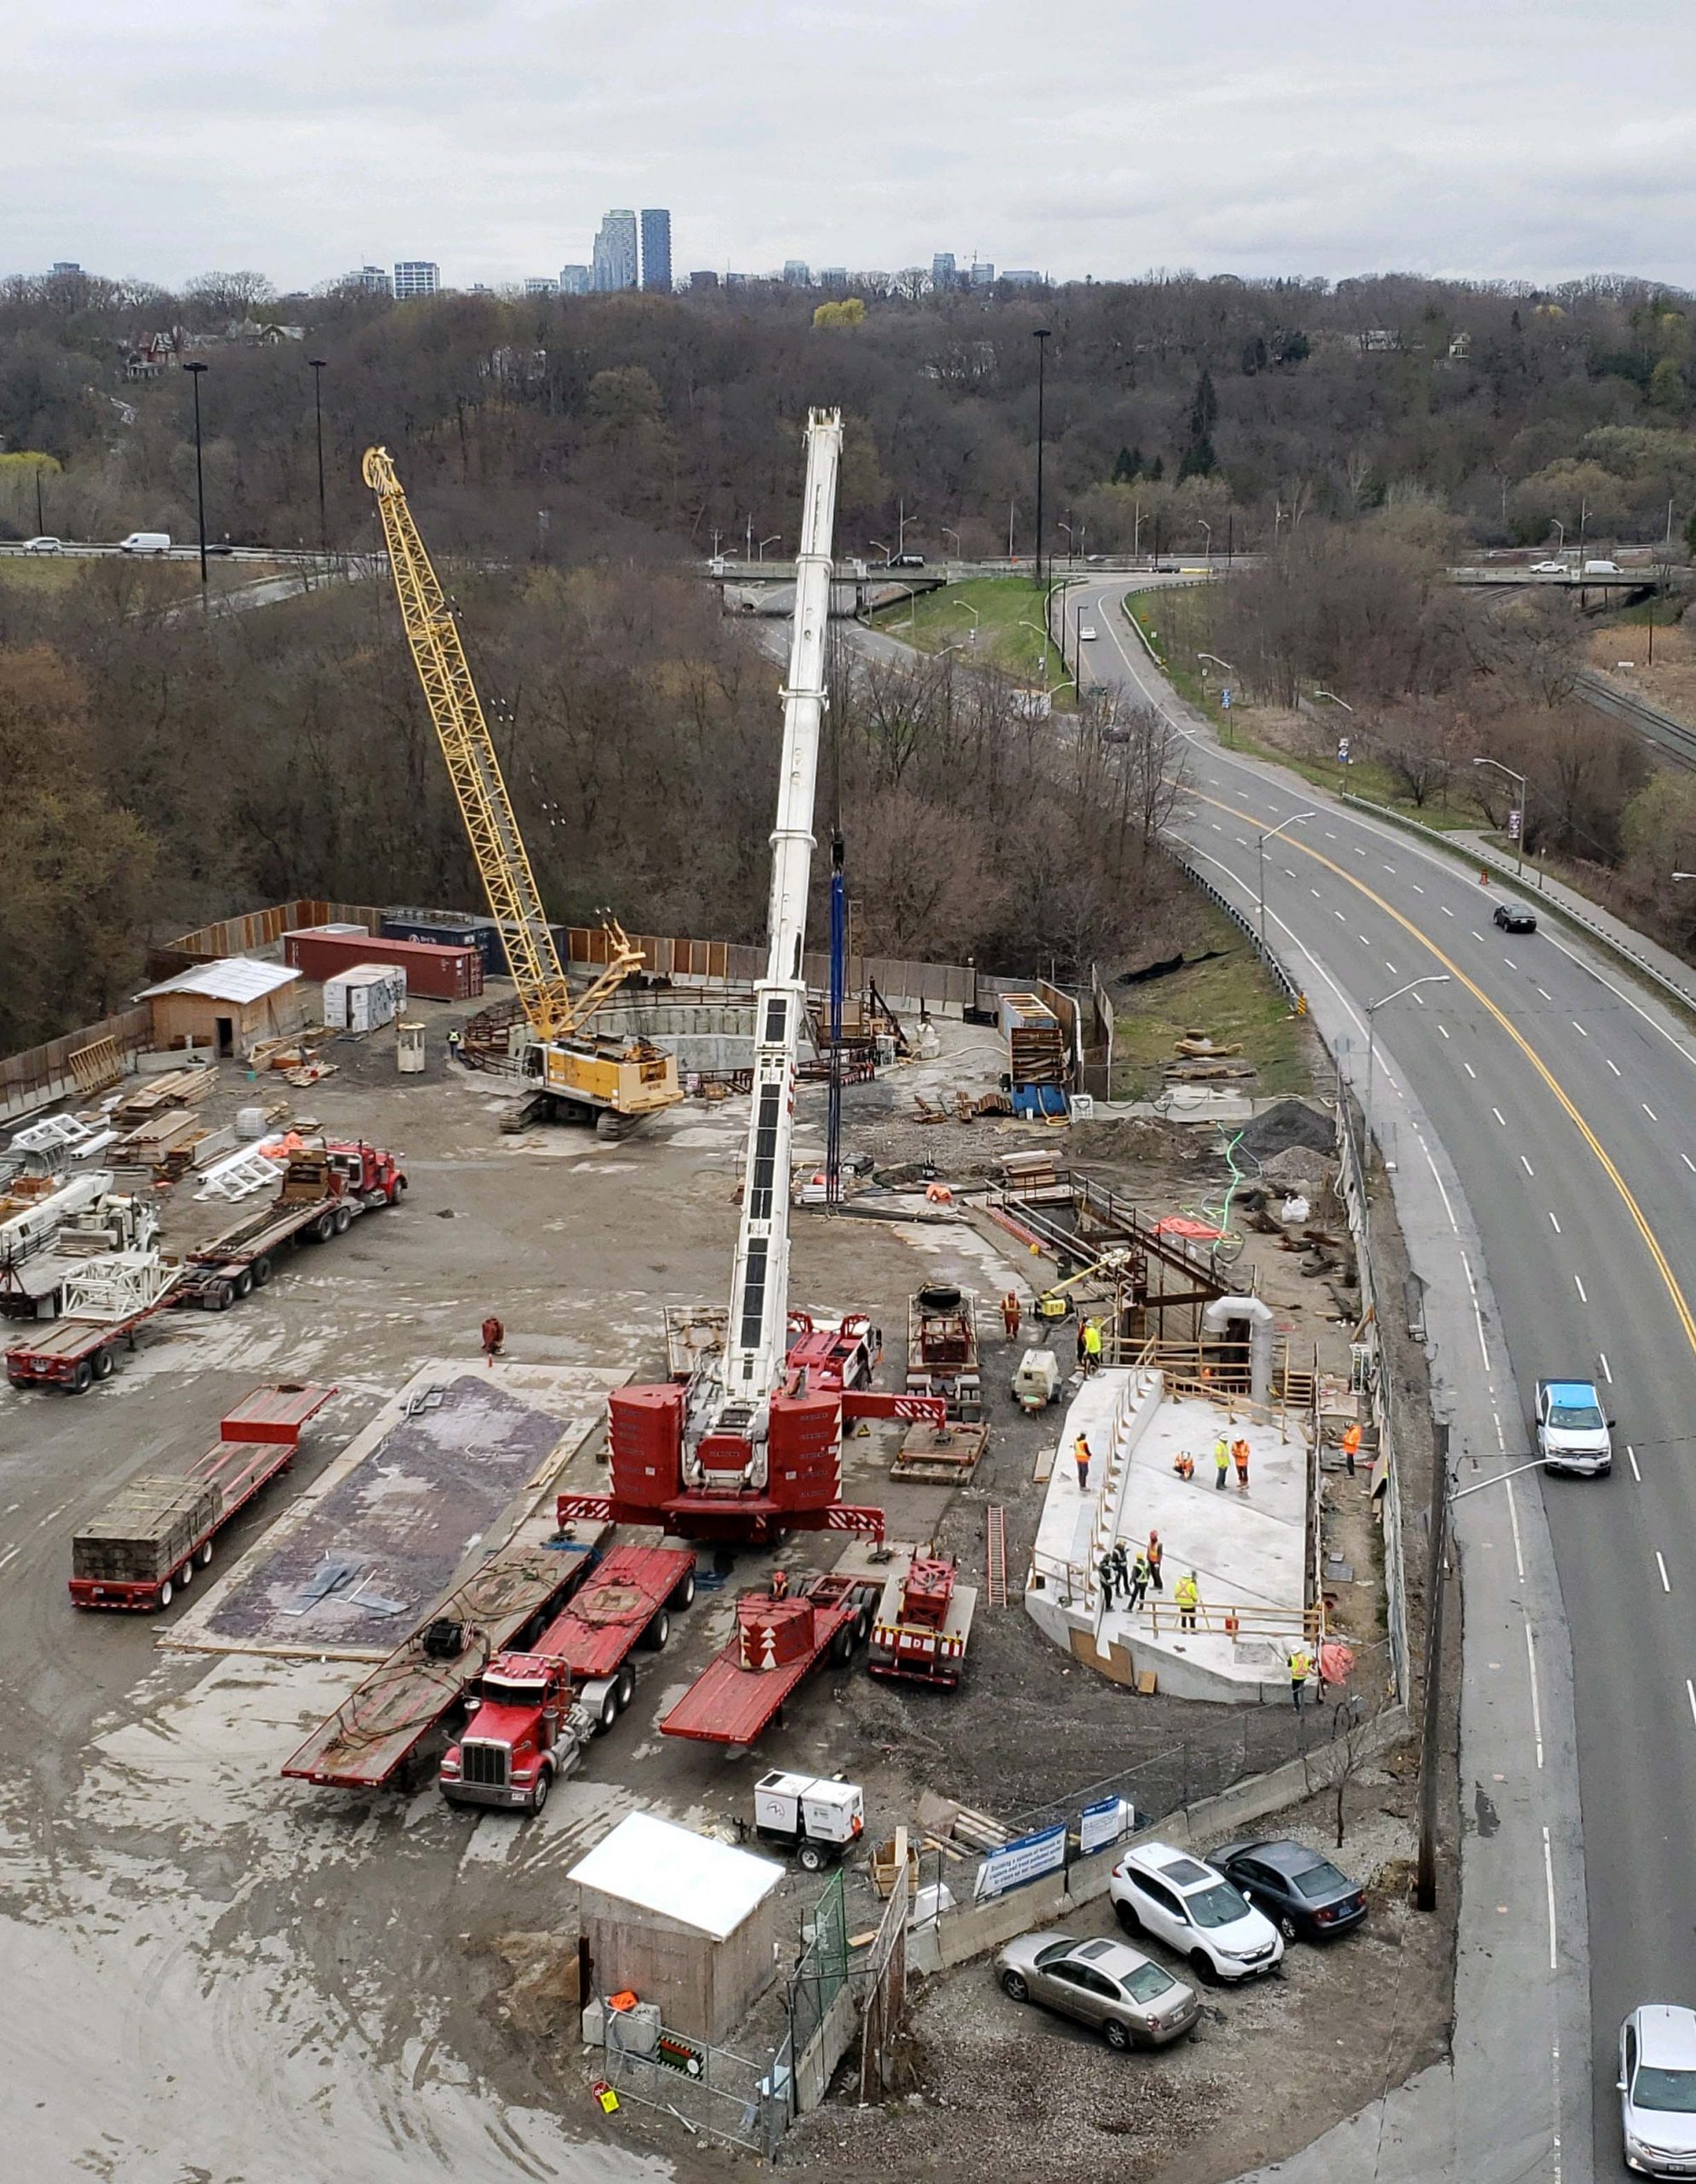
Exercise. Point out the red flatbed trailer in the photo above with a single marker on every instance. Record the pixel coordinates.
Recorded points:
(614, 1607)
(781, 1639)
(319, 1196)
(171, 1521)
(375, 1730)
(74, 1354)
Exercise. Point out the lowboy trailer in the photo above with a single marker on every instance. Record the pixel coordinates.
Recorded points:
(782, 1636)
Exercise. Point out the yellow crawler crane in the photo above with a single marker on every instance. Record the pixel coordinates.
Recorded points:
(613, 1082)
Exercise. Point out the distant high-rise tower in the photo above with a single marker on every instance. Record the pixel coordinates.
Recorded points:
(656, 250)
(575, 280)
(376, 278)
(703, 280)
(615, 252)
(542, 284)
(944, 274)
(417, 276)
(983, 274)
(796, 273)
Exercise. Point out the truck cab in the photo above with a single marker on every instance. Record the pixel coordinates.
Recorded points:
(1572, 1432)
(525, 1729)
(370, 1173)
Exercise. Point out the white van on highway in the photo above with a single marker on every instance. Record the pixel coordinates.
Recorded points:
(146, 542)
(1603, 569)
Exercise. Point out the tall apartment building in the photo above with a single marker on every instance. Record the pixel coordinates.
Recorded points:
(984, 274)
(833, 276)
(1024, 278)
(376, 278)
(796, 273)
(945, 272)
(656, 250)
(703, 280)
(417, 276)
(575, 280)
(542, 284)
(615, 252)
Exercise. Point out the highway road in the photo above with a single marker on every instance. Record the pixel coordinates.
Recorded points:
(1562, 1099)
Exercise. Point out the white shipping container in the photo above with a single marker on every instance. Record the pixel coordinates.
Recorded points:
(364, 997)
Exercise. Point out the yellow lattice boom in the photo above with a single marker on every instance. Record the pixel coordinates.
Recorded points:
(514, 901)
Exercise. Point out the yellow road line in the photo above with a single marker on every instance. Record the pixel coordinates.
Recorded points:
(1293, 841)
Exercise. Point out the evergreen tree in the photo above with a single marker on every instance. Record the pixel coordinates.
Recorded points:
(1129, 468)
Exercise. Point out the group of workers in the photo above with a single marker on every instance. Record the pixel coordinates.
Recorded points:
(1119, 1574)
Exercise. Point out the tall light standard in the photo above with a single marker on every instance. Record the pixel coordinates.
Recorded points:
(1560, 543)
(955, 536)
(317, 365)
(1271, 834)
(966, 607)
(1025, 623)
(878, 547)
(1520, 838)
(1208, 528)
(776, 539)
(1042, 338)
(1435, 978)
(1342, 741)
(194, 371)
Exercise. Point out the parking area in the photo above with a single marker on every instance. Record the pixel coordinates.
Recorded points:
(375, 1981)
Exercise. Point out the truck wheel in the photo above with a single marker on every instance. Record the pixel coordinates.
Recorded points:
(863, 1626)
(166, 1593)
(185, 1576)
(323, 1228)
(544, 1782)
(243, 1283)
(342, 1219)
(624, 1690)
(812, 1858)
(261, 1271)
(205, 1556)
(657, 1633)
(396, 1190)
(81, 1373)
(683, 1596)
(842, 1647)
(220, 1297)
(608, 1713)
(103, 1363)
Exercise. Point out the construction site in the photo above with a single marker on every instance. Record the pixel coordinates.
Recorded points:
(581, 1515)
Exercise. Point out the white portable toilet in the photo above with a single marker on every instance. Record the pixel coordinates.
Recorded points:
(409, 1048)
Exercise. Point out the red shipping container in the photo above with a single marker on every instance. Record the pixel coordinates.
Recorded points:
(433, 972)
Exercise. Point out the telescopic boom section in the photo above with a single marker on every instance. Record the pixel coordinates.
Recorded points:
(514, 901)
(755, 1339)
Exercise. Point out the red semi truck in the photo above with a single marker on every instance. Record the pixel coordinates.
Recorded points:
(146, 1544)
(321, 1192)
(536, 1710)
(782, 1636)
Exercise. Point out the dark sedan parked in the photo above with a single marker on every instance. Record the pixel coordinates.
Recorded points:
(1300, 1890)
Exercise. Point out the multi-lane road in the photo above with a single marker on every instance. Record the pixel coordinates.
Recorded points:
(1541, 1108)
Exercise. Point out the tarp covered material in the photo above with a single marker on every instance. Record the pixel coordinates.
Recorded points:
(1184, 1224)
(682, 1875)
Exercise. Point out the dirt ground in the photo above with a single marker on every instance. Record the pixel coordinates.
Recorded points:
(373, 1983)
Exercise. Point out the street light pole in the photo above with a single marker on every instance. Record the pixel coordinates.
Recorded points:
(1294, 820)
(317, 364)
(1524, 793)
(1435, 979)
(195, 371)
(1042, 332)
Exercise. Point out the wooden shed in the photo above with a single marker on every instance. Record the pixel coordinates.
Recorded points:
(680, 1920)
(228, 1006)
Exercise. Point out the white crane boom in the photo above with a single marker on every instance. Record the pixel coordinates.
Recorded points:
(757, 1334)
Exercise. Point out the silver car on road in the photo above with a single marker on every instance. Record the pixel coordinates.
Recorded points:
(1658, 2089)
(1131, 2002)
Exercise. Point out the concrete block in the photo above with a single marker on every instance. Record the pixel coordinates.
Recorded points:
(595, 2025)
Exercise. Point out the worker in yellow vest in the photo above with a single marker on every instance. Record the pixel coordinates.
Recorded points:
(1092, 1346)
(1187, 1595)
(1301, 1667)
(1221, 1462)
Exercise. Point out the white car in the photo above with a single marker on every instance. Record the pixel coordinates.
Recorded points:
(1192, 1908)
(1656, 2089)
(1086, 631)
(41, 546)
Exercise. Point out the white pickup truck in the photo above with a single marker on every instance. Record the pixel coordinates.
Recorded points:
(1572, 1433)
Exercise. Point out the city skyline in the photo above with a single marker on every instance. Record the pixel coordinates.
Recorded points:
(1318, 157)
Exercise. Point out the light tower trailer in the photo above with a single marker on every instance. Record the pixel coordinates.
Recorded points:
(818, 1820)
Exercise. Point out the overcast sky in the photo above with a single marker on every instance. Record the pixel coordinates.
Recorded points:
(1527, 139)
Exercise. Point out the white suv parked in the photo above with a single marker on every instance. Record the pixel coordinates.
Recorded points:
(1193, 1909)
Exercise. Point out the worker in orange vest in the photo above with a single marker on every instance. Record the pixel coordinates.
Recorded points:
(1011, 1315)
(1240, 1458)
(1352, 1444)
(1151, 1555)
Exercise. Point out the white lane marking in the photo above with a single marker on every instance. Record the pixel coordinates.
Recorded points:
(1536, 1710)
(1419, 998)
(1444, 1034)
(1445, 910)
(1690, 1691)
(1613, 1066)
(1544, 991)
(1288, 873)
(46, 1520)
(1359, 852)
(1242, 841)
(1483, 1347)
(1500, 1116)
(1688, 1162)
(1579, 1029)
(1526, 1166)
(1329, 836)
(1363, 939)
(1417, 889)
(1631, 1458)
(1338, 915)
(1477, 935)
(1438, 1180)
(1215, 824)
(1511, 964)
(1582, 1299)
(1607, 1369)
(7, 1556)
(1660, 1565)
(1688, 1053)
(1391, 968)
(1512, 1509)
(1470, 1071)
(1554, 1225)
(1548, 1884)
(1649, 1111)
(1314, 891)
(1389, 867)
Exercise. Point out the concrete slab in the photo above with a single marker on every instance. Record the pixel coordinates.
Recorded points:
(442, 1469)
(1248, 1549)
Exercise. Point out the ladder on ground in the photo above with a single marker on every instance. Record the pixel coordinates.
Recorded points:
(995, 1541)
